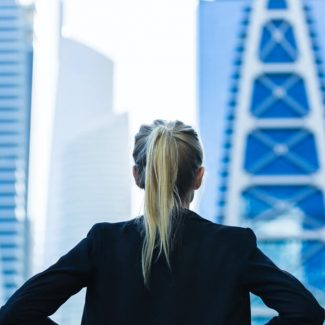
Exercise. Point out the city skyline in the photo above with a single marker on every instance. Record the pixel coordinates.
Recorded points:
(176, 99)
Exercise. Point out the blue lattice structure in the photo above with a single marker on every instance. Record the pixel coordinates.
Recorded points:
(279, 95)
(278, 43)
(272, 177)
(281, 152)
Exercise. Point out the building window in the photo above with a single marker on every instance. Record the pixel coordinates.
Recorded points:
(265, 204)
(278, 44)
(281, 152)
(277, 4)
(279, 95)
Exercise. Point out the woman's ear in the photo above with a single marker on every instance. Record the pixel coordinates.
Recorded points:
(198, 178)
(136, 175)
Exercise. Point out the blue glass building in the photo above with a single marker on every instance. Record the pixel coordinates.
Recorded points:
(15, 104)
(267, 170)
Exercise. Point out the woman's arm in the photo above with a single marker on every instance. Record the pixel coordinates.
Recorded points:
(279, 290)
(45, 292)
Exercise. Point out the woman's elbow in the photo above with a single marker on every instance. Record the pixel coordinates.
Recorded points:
(4, 315)
(319, 315)
(314, 314)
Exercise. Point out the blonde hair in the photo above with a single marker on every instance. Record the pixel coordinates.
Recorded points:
(167, 156)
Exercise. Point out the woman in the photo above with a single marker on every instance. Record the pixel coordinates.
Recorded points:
(169, 266)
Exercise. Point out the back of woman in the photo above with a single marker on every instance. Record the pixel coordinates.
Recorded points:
(169, 266)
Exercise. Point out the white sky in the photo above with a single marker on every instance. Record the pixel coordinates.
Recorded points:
(152, 45)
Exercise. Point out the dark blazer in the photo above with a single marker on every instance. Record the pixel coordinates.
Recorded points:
(214, 267)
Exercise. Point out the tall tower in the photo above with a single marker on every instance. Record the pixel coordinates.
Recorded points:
(15, 104)
(89, 179)
(273, 162)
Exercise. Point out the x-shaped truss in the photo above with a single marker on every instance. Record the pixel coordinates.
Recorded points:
(279, 93)
(277, 207)
(278, 38)
(266, 159)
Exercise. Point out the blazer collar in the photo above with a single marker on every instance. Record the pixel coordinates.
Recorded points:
(191, 214)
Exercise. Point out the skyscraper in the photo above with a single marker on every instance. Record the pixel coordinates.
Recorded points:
(15, 105)
(272, 177)
(89, 178)
(2, 288)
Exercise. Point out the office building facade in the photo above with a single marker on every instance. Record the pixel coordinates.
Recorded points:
(16, 57)
(89, 173)
(272, 174)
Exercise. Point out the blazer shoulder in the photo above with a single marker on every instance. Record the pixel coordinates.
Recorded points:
(226, 233)
(240, 235)
(237, 232)
(105, 228)
(238, 240)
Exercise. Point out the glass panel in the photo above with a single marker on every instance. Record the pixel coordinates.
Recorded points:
(277, 4)
(287, 208)
(279, 95)
(281, 152)
(278, 44)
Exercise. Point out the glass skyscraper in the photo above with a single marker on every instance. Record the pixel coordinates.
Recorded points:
(15, 105)
(272, 174)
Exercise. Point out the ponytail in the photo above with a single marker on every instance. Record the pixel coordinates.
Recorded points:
(167, 156)
(161, 195)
